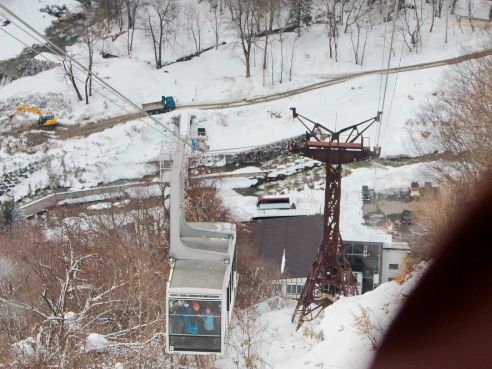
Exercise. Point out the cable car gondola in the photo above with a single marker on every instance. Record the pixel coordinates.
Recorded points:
(202, 282)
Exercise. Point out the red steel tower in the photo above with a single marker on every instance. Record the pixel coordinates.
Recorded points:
(330, 275)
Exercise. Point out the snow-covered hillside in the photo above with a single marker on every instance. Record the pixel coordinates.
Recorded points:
(295, 72)
(217, 75)
(345, 336)
(29, 10)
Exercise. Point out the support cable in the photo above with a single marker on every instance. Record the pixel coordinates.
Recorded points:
(393, 94)
(395, 15)
(382, 56)
(56, 52)
(126, 110)
(97, 78)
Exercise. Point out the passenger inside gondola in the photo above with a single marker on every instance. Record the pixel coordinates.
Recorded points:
(189, 323)
(208, 321)
(195, 325)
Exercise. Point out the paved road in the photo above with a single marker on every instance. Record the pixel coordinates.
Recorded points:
(48, 201)
(110, 122)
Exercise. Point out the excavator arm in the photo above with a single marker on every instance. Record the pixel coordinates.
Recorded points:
(23, 107)
(43, 120)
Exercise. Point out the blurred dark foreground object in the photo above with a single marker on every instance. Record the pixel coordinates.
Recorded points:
(446, 322)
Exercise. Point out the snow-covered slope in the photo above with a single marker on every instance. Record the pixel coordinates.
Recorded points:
(344, 337)
(29, 10)
(310, 201)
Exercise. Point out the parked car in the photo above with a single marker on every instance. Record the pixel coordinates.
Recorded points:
(365, 193)
(406, 217)
(414, 191)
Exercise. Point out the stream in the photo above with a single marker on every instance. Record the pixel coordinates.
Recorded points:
(63, 32)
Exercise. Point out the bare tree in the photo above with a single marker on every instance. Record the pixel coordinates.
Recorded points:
(91, 276)
(247, 337)
(470, 15)
(292, 57)
(434, 10)
(90, 39)
(363, 25)
(195, 24)
(281, 21)
(216, 20)
(356, 9)
(332, 27)
(456, 123)
(264, 14)
(68, 67)
(366, 328)
(160, 16)
(132, 7)
(412, 23)
(244, 23)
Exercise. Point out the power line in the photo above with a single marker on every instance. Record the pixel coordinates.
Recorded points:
(78, 79)
(382, 56)
(395, 15)
(81, 81)
(393, 95)
(217, 151)
(81, 66)
(59, 66)
(56, 53)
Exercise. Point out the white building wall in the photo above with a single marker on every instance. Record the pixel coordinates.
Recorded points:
(391, 257)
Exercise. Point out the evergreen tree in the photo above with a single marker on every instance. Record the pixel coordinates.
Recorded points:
(300, 13)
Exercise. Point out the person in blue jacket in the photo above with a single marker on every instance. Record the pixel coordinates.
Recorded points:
(186, 318)
(208, 321)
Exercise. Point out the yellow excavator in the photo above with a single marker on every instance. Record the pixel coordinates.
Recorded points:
(43, 120)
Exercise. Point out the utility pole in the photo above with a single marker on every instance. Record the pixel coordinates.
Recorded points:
(331, 275)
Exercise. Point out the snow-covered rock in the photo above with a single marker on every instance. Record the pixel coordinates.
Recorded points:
(344, 336)
(25, 348)
(96, 342)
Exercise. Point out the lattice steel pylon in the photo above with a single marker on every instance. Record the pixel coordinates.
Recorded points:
(331, 275)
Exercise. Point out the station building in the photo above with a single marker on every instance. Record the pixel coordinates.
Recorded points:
(292, 243)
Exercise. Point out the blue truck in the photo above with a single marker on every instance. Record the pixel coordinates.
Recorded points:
(166, 104)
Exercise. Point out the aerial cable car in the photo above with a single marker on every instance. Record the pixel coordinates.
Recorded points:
(203, 278)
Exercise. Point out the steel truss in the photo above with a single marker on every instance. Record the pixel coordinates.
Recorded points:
(330, 275)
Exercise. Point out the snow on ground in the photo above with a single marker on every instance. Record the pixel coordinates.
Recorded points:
(311, 201)
(217, 75)
(478, 9)
(108, 205)
(26, 347)
(332, 341)
(96, 342)
(335, 107)
(29, 10)
(103, 157)
(261, 124)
